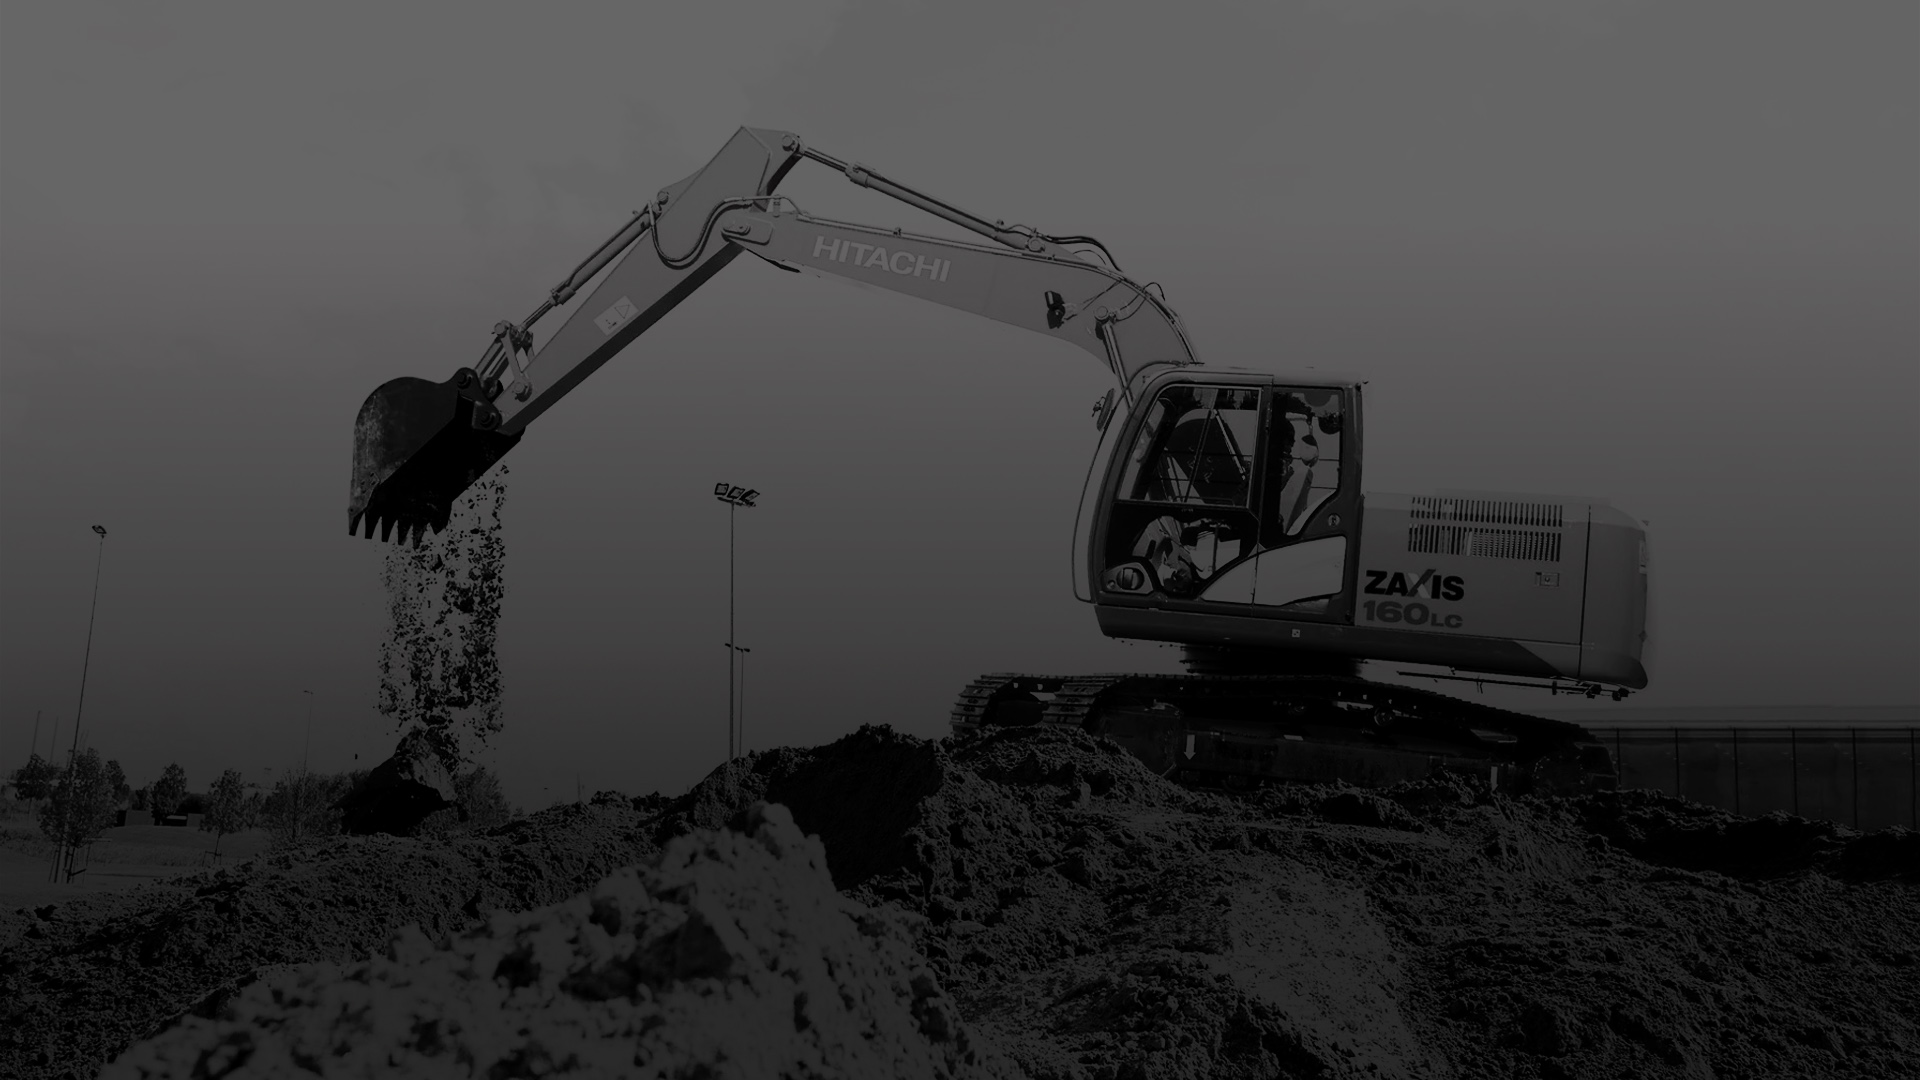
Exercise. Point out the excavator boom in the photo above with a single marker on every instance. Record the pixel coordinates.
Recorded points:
(418, 444)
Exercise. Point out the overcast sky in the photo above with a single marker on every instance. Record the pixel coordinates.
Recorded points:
(1663, 253)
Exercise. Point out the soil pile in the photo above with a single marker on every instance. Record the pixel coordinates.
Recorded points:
(730, 956)
(1098, 922)
(1095, 922)
(81, 981)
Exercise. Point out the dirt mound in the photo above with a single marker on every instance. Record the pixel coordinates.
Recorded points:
(919, 822)
(1667, 831)
(81, 981)
(1098, 922)
(656, 971)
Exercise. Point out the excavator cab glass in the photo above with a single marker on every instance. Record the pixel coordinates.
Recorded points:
(1234, 494)
(1306, 454)
(1196, 447)
(1184, 509)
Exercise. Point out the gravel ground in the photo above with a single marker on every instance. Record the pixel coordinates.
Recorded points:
(1082, 918)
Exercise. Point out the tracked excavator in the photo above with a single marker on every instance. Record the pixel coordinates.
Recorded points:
(1223, 511)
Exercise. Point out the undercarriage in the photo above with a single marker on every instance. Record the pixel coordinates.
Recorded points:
(1225, 726)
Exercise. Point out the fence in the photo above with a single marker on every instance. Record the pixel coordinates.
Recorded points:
(1866, 777)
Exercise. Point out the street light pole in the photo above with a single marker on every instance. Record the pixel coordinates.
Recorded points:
(735, 497)
(306, 750)
(62, 854)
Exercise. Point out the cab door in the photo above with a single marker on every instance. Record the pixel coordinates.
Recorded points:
(1310, 521)
(1239, 497)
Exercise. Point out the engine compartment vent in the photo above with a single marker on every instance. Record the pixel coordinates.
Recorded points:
(1529, 544)
(1488, 511)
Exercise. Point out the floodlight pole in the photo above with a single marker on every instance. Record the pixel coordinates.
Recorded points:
(735, 497)
(62, 854)
(732, 509)
(742, 722)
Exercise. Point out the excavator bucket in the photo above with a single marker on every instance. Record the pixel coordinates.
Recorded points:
(416, 447)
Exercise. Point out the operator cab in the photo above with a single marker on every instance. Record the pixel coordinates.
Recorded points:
(1228, 493)
(1233, 492)
(1230, 520)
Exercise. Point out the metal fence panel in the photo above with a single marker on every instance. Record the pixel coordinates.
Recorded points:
(1644, 760)
(1825, 776)
(1867, 778)
(1766, 774)
(1886, 780)
(1707, 767)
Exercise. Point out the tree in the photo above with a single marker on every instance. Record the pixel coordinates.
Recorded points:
(81, 806)
(300, 808)
(141, 796)
(480, 804)
(482, 800)
(34, 780)
(226, 808)
(117, 781)
(170, 790)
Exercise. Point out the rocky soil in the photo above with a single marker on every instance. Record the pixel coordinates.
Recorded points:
(81, 981)
(731, 955)
(1038, 893)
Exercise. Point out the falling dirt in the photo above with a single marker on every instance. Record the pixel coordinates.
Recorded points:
(438, 668)
(1082, 917)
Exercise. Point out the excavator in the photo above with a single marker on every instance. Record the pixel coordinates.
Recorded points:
(1223, 511)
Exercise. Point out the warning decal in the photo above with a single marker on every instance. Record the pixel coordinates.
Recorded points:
(617, 316)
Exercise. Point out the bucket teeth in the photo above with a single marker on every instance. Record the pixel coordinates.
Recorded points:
(415, 451)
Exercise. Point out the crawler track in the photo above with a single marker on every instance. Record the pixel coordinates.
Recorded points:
(1239, 731)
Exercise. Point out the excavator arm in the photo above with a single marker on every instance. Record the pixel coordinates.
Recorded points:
(419, 444)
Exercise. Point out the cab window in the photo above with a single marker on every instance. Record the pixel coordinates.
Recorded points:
(1305, 455)
(1196, 447)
